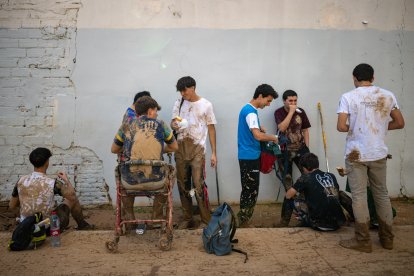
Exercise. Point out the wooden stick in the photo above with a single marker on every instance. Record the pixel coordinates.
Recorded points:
(323, 136)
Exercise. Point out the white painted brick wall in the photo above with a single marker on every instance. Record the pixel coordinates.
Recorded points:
(36, 64)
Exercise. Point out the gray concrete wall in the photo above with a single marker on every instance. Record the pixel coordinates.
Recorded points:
(229, 47)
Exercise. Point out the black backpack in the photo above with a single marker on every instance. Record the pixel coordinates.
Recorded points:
(218, 235)
(27, 235)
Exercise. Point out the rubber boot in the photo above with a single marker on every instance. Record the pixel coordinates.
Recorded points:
(63, 212)
(361, 242)
(385, 235)
(286, 214)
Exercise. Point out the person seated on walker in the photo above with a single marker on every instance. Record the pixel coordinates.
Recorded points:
(143, 137)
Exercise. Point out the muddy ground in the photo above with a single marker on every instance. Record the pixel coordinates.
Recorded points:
(265, 215)
(282, 251)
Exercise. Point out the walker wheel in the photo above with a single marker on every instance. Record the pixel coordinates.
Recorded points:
(165, 243)
(112, 246)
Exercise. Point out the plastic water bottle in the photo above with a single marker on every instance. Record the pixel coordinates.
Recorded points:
(54, 230)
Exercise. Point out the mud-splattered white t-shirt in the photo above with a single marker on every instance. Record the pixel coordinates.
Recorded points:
(36, 194)
(368, 110)
(199, 115)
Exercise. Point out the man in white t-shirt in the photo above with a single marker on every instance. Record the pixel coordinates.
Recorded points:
(367, 113)
(193, 120)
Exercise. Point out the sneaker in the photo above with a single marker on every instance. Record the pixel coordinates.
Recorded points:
(141, 229)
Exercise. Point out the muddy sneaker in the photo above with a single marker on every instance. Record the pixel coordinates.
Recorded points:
(141, 229)
(84, 226)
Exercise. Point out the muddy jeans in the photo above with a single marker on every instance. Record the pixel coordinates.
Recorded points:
(250, 180)
(128, 202)
(191, 157)
(292, 157)
(67, 191)
(376, 172)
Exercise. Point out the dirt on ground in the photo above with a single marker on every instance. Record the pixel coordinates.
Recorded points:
(84, 253)
(265, 215)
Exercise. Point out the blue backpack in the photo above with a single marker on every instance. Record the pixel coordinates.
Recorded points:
(219, 233)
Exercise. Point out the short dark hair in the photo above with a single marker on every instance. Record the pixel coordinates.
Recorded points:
(39, 156)
(141, 94)
(309, 161)
(143, 104)
(265, 90)
(289, 93)
(363, 72)
(185, 82)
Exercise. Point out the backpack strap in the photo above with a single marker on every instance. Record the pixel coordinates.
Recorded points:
(233, 231)
(241, 252)
(181, 104)
(233, 225)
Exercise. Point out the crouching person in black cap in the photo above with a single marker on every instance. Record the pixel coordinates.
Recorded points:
(35, 194)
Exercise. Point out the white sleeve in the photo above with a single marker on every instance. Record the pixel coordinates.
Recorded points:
(252, 120)
(343, 105)
(394, 103)
(210, 117)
